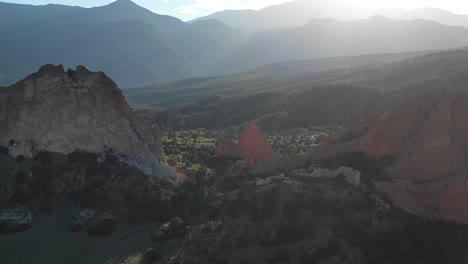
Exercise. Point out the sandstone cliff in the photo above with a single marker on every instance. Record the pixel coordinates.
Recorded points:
(252, 146)
(427, 140)
(62, 112)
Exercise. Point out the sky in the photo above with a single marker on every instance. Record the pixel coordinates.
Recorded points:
(189, 9)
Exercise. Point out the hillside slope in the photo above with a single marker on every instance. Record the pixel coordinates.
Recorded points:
(282, 96)
(404, 74)
(279, 77)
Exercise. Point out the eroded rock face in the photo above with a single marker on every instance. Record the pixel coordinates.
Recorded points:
(428, 139)
(62, 112)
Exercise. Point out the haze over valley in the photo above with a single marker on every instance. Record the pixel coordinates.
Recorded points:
(137, 47)
(303, 131)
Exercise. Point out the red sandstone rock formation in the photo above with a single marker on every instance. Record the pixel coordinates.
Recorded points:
(252, 146)
(428, 136)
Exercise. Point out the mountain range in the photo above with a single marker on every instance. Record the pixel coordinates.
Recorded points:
(289, 14)
(137, 47)
(435, 14)
(130, 43)
(298, 13)
(331, 38)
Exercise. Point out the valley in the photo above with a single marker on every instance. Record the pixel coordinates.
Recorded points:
(309, 131)
(137, 47)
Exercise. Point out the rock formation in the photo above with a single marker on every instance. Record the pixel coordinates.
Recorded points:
(427, 139)
(16, 220)
(252, 146)
(62, 112)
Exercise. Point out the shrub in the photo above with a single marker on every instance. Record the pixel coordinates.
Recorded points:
(20, 158)
(3, 150)
(173, 229)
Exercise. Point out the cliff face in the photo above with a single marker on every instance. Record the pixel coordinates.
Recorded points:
(427, 139)
(62, 112)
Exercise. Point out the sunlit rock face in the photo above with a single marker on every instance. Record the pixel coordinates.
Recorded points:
(427, 140)
(63, 111)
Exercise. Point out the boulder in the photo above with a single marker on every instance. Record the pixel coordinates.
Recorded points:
(82, 220)
(102, 225)
(96, 223)
(152, 255)
(16, 220)
(24, 148)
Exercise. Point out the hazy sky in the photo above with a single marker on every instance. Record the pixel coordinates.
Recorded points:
(188, 9)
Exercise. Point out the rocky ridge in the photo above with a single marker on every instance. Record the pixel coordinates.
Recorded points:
(425, 144)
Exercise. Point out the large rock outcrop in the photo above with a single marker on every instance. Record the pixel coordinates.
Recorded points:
(252, 146)
(426, 140)
(62, 112)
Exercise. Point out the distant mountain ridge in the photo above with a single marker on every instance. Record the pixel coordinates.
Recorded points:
(331, 38)
(131, 44)
(435, 14)
(289, 14)
(115, 11)
(299, 12)
(136, 47)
